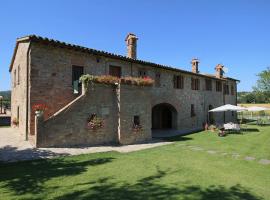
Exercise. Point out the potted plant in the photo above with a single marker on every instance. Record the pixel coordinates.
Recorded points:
(136, 128)
(15, 121)
(94, 123)
(212, 128)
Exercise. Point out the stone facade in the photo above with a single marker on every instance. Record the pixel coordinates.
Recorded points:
(46, 77)
(68, 127)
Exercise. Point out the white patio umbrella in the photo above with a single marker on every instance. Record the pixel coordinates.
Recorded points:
(228, 107)
(256, 109)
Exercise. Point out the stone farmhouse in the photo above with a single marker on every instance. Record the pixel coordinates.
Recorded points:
(47, 71)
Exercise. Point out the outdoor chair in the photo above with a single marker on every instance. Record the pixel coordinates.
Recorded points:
(232, 127)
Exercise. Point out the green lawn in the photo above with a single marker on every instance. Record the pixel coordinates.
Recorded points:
(169, 172)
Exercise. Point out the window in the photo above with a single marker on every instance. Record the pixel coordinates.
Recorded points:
(14, 78)
(178, 81)
(142, 73)
(77, 72)
(19, 70)
(232, 90)
(208, 84)
(195, 84)
(218, 86)
(226, 89)
(157, 79)
(136, 120)
(115, 71)
(192, 111)
(18, 113)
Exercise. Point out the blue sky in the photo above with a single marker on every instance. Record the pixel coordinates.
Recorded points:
(232, 32)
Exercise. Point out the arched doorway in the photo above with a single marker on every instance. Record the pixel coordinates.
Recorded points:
(164, 116)
(210, 115)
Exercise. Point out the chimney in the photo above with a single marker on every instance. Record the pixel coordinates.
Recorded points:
(219, 71)
(195, 65)
(131, 41)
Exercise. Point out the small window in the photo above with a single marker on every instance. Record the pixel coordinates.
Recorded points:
(208, 84)
(115, 71)
(19, 70)
(18, 113)
(157, 79)
(77, 72)
(136, 120)
(195, 84)
(142, 73)
(218, 86)
(14, 78)
(226, 89)
(232, 90)
(192, 111)
(178, 81)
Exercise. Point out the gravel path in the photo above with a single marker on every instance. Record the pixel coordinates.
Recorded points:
(13, 147)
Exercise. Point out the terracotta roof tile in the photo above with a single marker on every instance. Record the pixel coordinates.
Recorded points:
(45, 40)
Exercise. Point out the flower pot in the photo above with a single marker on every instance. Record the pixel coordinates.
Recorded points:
(39, 113)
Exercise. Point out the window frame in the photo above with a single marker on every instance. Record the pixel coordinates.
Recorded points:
(226, 89)
(111, 67)
(14, 78)
(136, 120)
(208, 84)
(178, 81)
(218, 86)
(142, 73)
(195, 83)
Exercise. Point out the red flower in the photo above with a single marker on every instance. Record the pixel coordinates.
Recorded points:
(39, 107)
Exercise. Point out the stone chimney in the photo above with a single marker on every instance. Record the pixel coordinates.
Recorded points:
(219, 71)
(195, 65)
(131, 41)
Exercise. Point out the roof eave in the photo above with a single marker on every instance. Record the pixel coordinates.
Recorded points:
(35, 38)
(22, 39)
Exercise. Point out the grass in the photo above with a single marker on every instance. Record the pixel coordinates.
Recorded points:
(167, 172)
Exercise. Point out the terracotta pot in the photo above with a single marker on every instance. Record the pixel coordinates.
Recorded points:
(39, 113)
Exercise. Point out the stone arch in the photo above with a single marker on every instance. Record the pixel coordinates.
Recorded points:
(164, 116)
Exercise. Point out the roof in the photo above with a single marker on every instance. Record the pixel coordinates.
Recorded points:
(57, 43)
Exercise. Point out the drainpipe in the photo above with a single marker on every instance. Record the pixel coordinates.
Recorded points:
(118, 112)
(27, 90)
(224, 103)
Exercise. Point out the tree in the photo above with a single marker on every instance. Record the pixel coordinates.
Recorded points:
(262, 89)
(263, 83)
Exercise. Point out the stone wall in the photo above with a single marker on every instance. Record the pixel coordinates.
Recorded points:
(19, 88)
(135, 101)
(68, 127)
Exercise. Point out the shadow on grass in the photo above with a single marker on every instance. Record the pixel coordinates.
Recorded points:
(29, 176)
(178, 138)
(152, 188)
(10, 154)
(250, 130)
